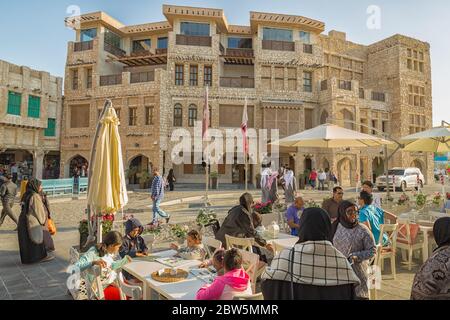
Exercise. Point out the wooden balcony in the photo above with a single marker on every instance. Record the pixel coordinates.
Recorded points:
(140, 77)
(238, 56)
(278, 45)
(110, 80)
(144, 58)
(83, 46)
(201, 41)
(237, 82)
(114, 50)
(307, 48)
(345, 85)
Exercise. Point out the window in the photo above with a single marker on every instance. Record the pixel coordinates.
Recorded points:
(415, 60)
(88, 34)
(75, 79)
(178, 115)
(14, 102)
(374, 126)
(51, 125)
(240, 43)
(207, 76)
(89, 78)
(192, 115)
(142, 45)
(112, 39)
(305, 37)
(277, 34)
(416, 123)
(309, 122)
(149, 115)
(79, 116)
(162, 43)
(384, 126)
(345, 85)
(416, 96)
(307, 81)
(179, 75)
(378, 96)
(132, 114)
(193, 75)
(361, 93)
(34, 107)
(194, 29)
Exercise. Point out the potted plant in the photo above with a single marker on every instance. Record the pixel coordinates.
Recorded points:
(180, 232)
(144, 177)
(83, 229)
(214, 180)
(150, 235)
(437, 200)
(263, 207)
(421, 201)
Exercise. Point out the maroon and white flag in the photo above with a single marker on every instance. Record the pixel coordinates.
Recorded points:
(205, 122)
(244, 128)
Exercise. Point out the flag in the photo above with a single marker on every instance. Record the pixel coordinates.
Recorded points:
(205, 122)
(244, 129)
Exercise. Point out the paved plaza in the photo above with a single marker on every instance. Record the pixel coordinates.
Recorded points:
(47, 280)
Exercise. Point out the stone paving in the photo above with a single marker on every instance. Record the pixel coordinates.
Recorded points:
(47, 280)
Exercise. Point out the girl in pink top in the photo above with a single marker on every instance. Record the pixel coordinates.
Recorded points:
(234, 281)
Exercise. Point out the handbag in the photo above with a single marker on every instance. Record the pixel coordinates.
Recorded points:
(51, 227)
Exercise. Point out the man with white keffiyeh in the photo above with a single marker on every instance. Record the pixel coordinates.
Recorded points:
(290, 186)
(269, 186)
(313, 269)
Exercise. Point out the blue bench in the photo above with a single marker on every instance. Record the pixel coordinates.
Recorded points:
(56, 187)
(82, 185)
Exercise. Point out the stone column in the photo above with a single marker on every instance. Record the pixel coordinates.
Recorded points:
(38, 163)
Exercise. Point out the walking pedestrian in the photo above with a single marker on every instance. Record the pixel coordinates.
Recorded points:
(8, 192)
(157, 196)
(171, 180)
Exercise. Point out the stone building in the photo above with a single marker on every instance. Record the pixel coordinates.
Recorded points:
(30, 114)
(293, 76)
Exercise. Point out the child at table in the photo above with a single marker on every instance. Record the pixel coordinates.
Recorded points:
(194, 249)
(235, 280)
(133, 244)
(216, 261)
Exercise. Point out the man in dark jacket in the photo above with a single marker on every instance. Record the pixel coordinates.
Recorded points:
(238, 223)
(133, 245)
(8, 192)
(319, 270)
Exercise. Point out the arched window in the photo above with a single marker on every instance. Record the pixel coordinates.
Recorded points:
(178, 115)
(192, 115)
(324, 117)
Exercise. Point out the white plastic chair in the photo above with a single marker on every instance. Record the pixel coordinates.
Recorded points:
(250, 263)
(211, 243)
(239, 243)
(407, 242)
(389, 251)
(127, 290)
(93, 282)
(256, 296)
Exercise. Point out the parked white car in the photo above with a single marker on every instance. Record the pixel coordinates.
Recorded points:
(404, 178)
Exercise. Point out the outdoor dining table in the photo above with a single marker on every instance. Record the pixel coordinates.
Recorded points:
(182, 290)
(283, 240)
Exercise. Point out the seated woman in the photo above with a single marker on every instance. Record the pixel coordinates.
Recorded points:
(432, 281)
(216, 261)
(194, 249)
(239, 223)
(103, 255)
(355, 241)
(320, 271)
(234, 281)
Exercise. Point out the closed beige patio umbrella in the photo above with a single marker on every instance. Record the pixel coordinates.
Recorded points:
(107, 191)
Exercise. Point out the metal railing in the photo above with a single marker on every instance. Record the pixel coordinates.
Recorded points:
(111, 80)
(239, 53)
(114, 50)
(237, 82)
(83, 46)
(202, 41)
(278, 45)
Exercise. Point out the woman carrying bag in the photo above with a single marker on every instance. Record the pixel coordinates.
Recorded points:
(32, 222)
(50, 228)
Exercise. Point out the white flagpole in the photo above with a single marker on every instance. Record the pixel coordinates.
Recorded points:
(245, 118)
(206, 124)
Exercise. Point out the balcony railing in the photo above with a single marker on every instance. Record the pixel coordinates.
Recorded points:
(110, 80)
(139, 77)
(345, 85)
(202, 41)
(239, 53)
(308, 48)
(161, 51)
(114, 50)
(278, 45)
(83, 46)
(237, 82)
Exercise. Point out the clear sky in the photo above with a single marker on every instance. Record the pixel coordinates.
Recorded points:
(32, 33)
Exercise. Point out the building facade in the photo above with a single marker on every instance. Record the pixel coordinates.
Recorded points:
(30, 118)
(293, 76)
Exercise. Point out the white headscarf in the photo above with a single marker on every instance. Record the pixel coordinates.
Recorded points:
(289, 178)
(265, 174)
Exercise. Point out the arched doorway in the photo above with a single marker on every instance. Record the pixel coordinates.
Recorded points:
(417, 164)
(78, 165)
(324, 117)
(344, 167)
(325, 165)
(308, 164)
(347, 116)
(377, 168)
(138, 165)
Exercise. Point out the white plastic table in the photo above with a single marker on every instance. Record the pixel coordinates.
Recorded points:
(284, 240)
(183, 290)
